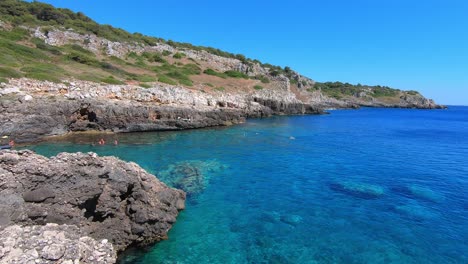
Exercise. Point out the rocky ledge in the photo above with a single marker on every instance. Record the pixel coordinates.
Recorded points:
(103, 197)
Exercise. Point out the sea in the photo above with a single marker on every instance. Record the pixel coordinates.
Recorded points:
(373, 185)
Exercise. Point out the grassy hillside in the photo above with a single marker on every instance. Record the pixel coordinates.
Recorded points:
(22, 55)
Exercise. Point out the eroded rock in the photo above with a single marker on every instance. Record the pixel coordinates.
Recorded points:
(105, 197)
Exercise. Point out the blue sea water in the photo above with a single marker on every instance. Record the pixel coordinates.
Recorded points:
(355, 186)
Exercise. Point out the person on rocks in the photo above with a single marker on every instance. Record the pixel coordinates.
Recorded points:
(11, 143)
(102, 142)
(116, 142)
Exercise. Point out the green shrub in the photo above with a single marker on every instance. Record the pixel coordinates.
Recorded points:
(158, 58)
(83, 59)
(133, 55)
(186, 82)
(191, 69)
(411, 92)
(209, 84)
(16, 34)
(215, 73)
(20, 53)
(145, 85)
(262, 78)
(145, 78)
(92, 77)
(166, 53)
(3, 80)
(111, 80)
(179, 55)
(40, 44)
(236, 74)
(43, 72)
(117, 60)
(9, 73)
(180, 77)
(220, 89)
(165, 79)
(77, 48)
(258, 87)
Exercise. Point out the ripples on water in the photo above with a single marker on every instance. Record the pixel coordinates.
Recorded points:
(364, 186)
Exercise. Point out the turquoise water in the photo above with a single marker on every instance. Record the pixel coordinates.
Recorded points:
(356, 186)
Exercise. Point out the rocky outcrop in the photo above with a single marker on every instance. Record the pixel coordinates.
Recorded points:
(52, 243)
(106, 198)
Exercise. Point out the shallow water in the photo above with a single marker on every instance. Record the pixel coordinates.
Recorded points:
(356, 186)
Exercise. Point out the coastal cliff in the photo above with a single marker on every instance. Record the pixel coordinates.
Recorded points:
(102, 197)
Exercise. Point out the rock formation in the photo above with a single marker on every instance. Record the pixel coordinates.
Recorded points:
(106, 198)
(52, 243)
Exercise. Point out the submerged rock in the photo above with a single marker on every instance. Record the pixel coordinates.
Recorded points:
(106, 198)
(191, 176)
(419, 192)
(415, 211)
(358, 189)
(52, 243)
(291, 219)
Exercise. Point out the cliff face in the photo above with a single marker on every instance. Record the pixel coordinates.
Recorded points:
(104, 197)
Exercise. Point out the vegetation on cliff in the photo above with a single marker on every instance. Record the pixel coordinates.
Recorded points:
(24, 54)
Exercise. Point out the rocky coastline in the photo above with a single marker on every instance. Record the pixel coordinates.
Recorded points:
(79, 208)
(31, 110)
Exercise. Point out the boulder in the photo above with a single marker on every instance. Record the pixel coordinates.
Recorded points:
(105, 197)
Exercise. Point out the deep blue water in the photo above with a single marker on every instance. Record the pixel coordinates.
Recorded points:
(355, 186)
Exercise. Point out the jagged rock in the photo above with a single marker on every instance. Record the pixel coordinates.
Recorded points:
(52, 243)
(105, 197)
(358, 189)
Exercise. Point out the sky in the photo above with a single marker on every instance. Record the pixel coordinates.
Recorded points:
(404, 44)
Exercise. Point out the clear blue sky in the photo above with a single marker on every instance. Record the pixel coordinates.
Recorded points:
(405, 44)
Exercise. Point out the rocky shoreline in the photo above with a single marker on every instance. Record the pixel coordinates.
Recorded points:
(31, 110)
(97, 206)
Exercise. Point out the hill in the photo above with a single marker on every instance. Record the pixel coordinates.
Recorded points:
(60, 52)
